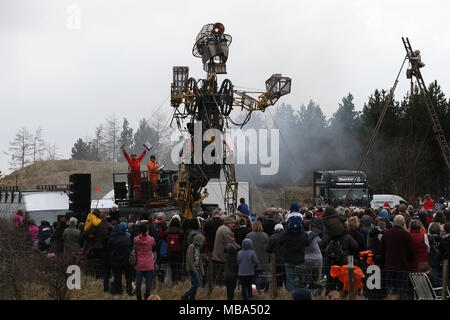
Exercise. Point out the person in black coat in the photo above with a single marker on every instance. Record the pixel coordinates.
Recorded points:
(231, 269)
(175, 258)
(100, 260)
(274, 246)
(269, 223)
(241, 231)
(45, 235)
(444, 245)
(57, 237)
(120, 249)
(294, 240)
(210, 228)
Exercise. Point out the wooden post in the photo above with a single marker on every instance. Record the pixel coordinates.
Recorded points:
(210, 273)
(273, 269)
(154, 281)
(444, 279)
(351, 281)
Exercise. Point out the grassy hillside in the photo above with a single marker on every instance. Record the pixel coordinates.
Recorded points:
(58, 172)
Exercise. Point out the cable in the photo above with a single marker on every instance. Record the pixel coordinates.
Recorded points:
(374, 133)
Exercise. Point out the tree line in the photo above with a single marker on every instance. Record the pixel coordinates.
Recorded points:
(405, 158)
(110, 135)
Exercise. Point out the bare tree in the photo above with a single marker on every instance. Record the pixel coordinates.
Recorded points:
(38, 145)
(159, 122)
(52, 153)
(112, 137)
(21, 148)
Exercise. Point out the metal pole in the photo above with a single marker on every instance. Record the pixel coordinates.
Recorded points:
(210, 273)
(273, 268)
(444, 279)
(351, 281)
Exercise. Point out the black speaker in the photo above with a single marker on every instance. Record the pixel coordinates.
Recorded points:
(147, 190)
(120, 190)
(80, 193)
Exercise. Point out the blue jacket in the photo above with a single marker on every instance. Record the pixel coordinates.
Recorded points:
(243, 208)
(247, 259)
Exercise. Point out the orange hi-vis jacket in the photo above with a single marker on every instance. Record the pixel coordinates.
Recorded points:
(153, 167)
(135, 164)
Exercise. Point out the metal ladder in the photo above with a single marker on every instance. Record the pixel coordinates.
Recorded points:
(437, 129)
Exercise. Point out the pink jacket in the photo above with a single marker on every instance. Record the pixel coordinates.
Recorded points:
(143, 246)
(18, 221)
(34, 231)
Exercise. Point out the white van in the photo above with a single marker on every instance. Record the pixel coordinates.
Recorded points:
(381, 199)
(38, 205)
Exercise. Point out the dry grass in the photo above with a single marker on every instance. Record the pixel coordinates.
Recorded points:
(93, 290)
(265, 196)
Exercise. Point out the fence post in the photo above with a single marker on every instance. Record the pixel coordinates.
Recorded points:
(154, 280)
(273, 267)
(351, 281)
(444, 279)
(210, 273)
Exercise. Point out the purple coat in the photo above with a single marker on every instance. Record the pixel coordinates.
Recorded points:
(143, 246)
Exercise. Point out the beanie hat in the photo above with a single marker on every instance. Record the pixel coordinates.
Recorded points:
(383, 213)
(295, 207)
(123, 226)
(279, 226)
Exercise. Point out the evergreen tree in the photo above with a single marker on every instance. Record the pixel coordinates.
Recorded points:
(126, 137)
(81, 150)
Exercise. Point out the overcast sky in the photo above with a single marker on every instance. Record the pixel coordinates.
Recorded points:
(119, 61)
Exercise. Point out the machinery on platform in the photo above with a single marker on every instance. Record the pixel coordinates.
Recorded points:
(201, 108)
(207, 104)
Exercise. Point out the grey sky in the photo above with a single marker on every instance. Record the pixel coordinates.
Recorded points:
(120, 60)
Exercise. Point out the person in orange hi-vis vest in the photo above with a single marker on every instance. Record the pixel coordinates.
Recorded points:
(135, 168)
(153, 175)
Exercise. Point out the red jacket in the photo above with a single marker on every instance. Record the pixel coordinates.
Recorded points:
(135, 164)
(420, 249)
(428, 205)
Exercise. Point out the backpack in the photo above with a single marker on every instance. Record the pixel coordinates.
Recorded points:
(295, 224)
(334, 252)
(173, 242)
